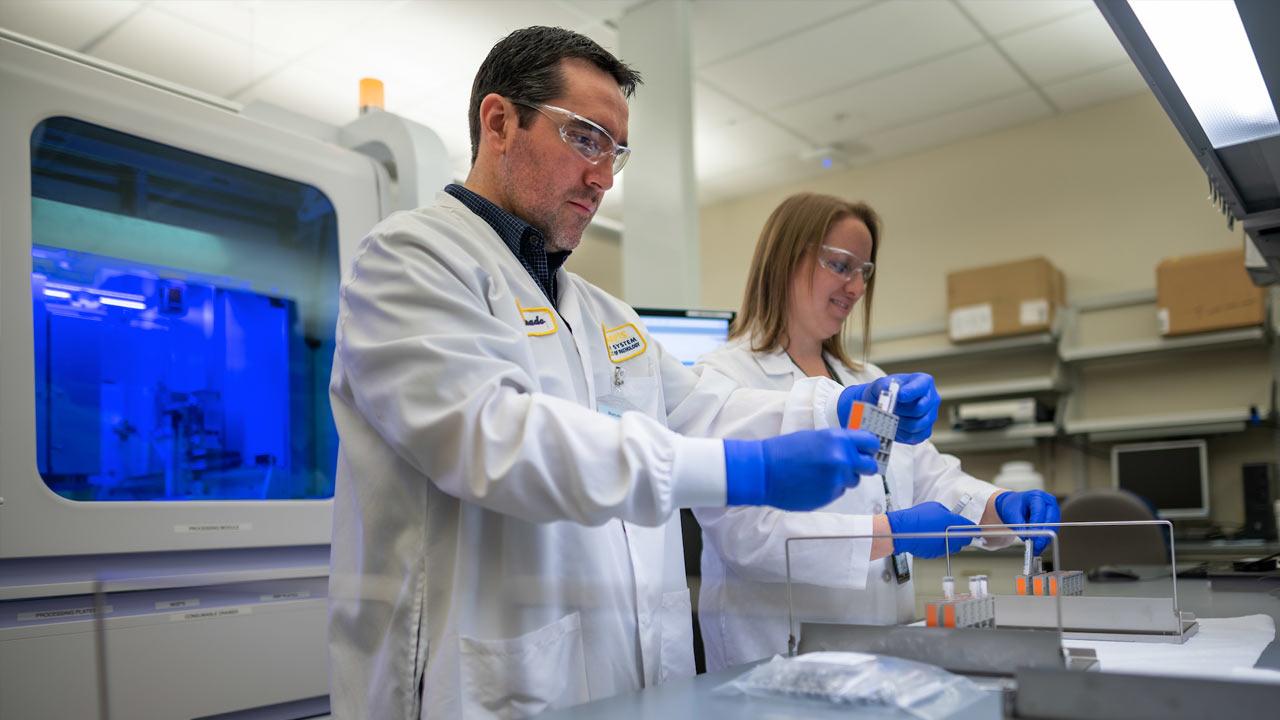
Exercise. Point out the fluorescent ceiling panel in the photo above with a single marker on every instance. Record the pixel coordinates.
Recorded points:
(1204, 45)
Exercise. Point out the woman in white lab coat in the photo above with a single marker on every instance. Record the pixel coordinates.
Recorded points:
(813, 263)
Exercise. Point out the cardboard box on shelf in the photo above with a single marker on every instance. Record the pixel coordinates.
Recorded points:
(1011, 298)
(1211, 291)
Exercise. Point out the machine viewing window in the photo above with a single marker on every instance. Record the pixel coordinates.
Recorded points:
(183, 310)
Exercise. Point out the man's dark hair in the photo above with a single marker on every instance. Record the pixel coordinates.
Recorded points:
(526, 65)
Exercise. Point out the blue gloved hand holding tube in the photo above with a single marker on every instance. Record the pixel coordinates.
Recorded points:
(917, 404)
(1032, 506)
(798, 471)
(928, 517)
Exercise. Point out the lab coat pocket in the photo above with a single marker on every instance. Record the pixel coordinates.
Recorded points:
(676, 656)
(643, 393)
(522, 676)
(636, 394)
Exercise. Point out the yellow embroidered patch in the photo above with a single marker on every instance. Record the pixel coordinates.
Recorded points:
(538, 320)
(624, 342)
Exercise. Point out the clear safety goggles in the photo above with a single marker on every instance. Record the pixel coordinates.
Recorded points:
(845, 264)
(591, 141)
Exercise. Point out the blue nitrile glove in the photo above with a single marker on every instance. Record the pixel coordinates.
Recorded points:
(1032, 506)
(928, 517)
(917, 407)
(799, 471)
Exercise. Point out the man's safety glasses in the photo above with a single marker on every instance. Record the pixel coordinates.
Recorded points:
(591, 141)
(844, 263)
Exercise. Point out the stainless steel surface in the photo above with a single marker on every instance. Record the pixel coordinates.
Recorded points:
(968, 530)
(970, 651)
(1054, 695)
(1057, 560)
(1089, 614)
(697, 699)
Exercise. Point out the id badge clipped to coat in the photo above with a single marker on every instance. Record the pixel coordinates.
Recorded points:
(901, 563)
(880, 421)
(614, 404)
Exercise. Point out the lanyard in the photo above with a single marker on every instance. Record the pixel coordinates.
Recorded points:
(831, 372)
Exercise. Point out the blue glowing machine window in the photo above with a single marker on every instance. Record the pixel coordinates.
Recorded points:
(183, 310)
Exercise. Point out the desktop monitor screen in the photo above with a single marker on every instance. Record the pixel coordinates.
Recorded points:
(687, 334)
(1172, 476)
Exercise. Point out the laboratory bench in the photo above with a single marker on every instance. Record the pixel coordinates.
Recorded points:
(696, 699)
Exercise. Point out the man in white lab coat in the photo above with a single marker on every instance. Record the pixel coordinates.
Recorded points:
(514, 446)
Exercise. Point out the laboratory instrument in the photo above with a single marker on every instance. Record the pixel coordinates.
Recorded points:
(169, 270)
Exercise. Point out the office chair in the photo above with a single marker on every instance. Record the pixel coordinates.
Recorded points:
(1087, 549)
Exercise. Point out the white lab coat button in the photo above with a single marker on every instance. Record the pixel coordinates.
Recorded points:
(886, 575)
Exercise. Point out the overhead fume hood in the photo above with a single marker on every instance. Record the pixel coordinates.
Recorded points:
(1214, 65)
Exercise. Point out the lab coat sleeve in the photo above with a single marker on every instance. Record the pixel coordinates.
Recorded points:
(706, 402)
(938, 477)
(752, 542)
(446, 384)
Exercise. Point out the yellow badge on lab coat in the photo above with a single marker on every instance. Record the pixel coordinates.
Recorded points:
(624, 342)
(538, 320)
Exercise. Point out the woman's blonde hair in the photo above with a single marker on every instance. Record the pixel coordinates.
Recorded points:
(795, 231)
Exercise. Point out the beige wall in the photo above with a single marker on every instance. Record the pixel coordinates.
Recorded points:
(598, 259)
(1104, 192)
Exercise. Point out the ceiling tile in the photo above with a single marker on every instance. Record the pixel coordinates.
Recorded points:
(1114, 82)
(770, 174)
(424, 47)
(231, 18)
(1013, 110)
(953, 82)
(283, 27)
(1000, 17)
(749, 142)
(713, 109)
(69, 24)
(159, 44)
(905, 74)
(722, 28)
(1063, 48)
(602, 11)
(855, 47)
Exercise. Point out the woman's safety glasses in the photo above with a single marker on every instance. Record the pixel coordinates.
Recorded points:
(845, 264)
(592, 142)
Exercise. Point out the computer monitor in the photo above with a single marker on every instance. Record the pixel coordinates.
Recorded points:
(687, 334)
(1172, 476)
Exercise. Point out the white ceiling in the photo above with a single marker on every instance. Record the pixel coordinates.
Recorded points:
(776, 79)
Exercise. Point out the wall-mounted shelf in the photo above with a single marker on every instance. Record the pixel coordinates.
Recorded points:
(1204, 422)
(949, 350)
(1121, 326)
(1001, 388)
(1010, 438)
(1243, 337)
